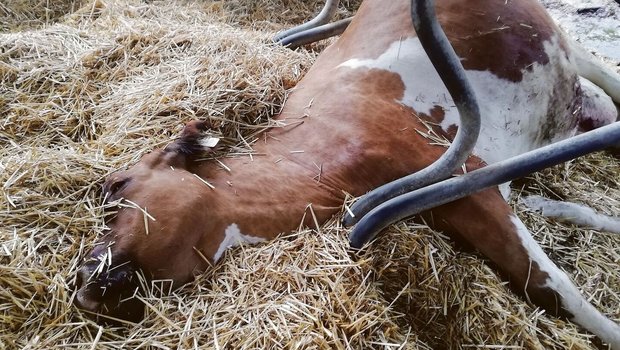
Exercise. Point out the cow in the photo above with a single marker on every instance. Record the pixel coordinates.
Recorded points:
(349, 126)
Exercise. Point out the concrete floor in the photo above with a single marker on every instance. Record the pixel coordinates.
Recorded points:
(593, 23)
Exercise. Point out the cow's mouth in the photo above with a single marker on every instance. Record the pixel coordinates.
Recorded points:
(109, 296)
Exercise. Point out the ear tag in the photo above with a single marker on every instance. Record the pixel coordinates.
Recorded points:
(209, 142)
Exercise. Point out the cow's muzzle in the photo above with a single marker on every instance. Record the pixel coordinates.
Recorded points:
(109, 295)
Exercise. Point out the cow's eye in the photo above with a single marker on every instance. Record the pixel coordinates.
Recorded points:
(117, 185)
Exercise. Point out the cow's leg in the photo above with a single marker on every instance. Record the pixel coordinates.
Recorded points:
(597, 108)
(487, 222)
(597, 72)
(574, 213)
(597, 78)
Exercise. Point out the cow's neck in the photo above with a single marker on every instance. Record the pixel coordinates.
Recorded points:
(256, 198)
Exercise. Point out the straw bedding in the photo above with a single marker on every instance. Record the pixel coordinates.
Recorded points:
(89, 86)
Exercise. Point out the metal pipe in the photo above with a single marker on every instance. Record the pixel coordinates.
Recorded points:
(326, 14)
(458, 187)
(452, 73)
(315, 34)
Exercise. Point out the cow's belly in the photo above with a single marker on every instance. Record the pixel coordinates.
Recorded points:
(516, 116)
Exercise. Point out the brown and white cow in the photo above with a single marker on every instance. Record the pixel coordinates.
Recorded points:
(362, 102)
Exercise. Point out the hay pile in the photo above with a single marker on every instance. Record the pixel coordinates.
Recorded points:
(116, 78)
(18, 15)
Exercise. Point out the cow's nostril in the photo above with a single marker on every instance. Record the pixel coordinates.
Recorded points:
(78, 281)
(85, 302)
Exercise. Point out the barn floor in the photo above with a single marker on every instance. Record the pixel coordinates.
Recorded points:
(594, 23)
(88, 86)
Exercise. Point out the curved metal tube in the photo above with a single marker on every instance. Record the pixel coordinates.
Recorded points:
(315, 34)
(458, 187)
(326, 14)
(452, 73)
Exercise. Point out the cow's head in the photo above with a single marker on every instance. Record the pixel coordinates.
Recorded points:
(157, 225)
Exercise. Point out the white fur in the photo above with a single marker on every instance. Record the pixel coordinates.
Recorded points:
(232, 238)
(512, 112)
(572, 300)
(573, 213)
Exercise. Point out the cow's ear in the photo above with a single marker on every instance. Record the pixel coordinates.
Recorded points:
(192, 140)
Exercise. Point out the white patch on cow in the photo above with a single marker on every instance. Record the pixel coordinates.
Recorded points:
(584, 313)
(573, 213)
(232, 238)
(513, 113)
